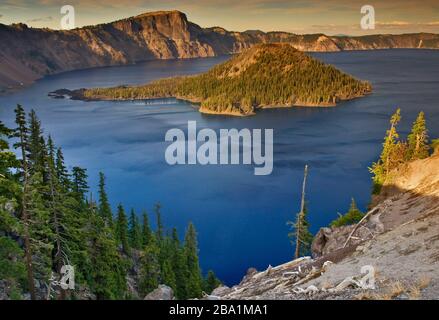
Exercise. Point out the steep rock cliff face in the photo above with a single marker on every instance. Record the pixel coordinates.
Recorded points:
(29, 53)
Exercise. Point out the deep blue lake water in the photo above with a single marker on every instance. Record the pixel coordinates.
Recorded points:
(240, 218)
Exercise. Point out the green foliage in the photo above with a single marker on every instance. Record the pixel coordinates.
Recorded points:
(159, 232)
(397, 151)
(79, 183)
(12, 267)
(265, 75)
(107, 268)
(418, 145)
(104, 204)
(353, 216)
(150, 270)
(135, 232)
(168, 275)
(300, 229)
(122, 229)
(391, 156)
(211, 282)
(435, 144)
(194, 281)
(146, 230)
(179, 265)
(45, 207)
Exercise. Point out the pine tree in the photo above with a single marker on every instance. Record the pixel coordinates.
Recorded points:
(211, 282)
(194, 280)
(418, 145)
(35, 144)
(22, 133)
(168, 276)
(135, 231)
(300, 234)
(146, 230)
(150, 268)
(58, 212)
(122, 229)
(179, 265)
(353, 216)
(108, 270)
(42, 238)
(104, 204)
(390, 156)
(159, 232)
(79, 184)
(61, 170)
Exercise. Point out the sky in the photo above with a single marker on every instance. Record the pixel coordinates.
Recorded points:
(331, 17)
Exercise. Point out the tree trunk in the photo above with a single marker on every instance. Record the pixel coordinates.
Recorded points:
(25, 217)
(300, 215)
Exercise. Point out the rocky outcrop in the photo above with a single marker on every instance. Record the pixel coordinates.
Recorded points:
(161, 293)
(27, 53)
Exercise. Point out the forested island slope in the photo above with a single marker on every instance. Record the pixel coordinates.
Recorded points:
(27, 54)
(266, 75)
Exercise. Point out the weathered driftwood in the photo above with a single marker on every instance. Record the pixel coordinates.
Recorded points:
(359, 224)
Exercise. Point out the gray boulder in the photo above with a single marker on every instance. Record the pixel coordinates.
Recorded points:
(163, 292)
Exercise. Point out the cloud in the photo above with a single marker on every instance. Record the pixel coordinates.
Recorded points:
(44, 19)
(406, 24)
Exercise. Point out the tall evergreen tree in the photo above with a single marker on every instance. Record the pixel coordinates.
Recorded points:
(135, 231)
(104, 204)
(418, 144)
(79, 184)
(22, 134)
(35, 144)
(108, 270)
(168, 275)
(150, 268)
(194, 280)
(146, 229)
(180, 267)
(58, 213)
(122, 229)
(159, 231)
(61, 170)
(391, 156)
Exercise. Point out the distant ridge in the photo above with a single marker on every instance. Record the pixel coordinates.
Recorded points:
(27, 54)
